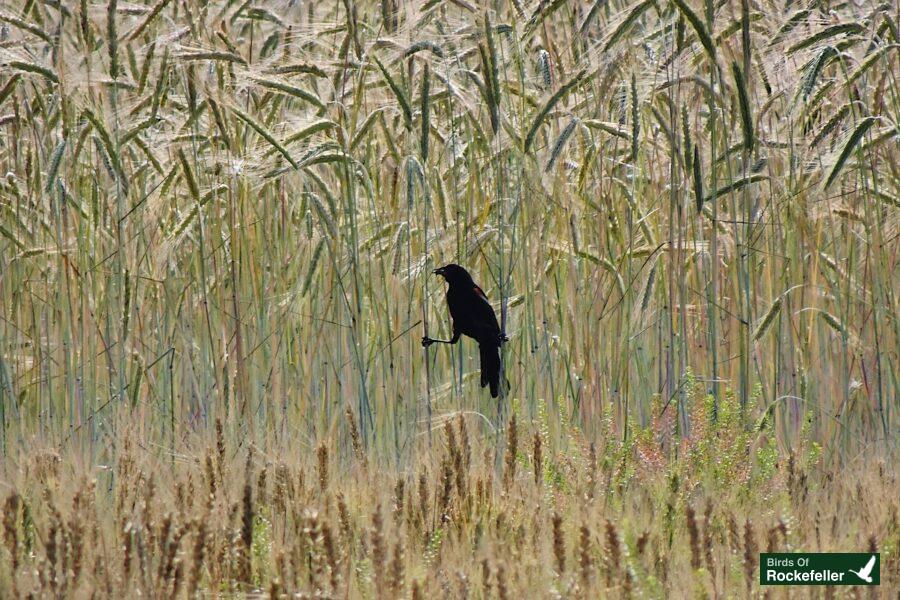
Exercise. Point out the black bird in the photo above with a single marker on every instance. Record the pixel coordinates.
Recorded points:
(473, 316)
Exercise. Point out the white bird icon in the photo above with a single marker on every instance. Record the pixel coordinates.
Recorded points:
(866, 572)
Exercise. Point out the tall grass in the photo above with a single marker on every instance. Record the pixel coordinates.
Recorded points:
(229, 212)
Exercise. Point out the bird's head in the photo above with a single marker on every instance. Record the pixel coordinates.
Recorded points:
(454, 274)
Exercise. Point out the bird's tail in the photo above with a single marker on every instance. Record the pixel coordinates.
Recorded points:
(490, 367)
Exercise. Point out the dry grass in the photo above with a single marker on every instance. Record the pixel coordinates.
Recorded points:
(217, 226)
(266, 523)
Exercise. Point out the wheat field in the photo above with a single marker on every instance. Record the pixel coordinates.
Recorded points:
(218, 222)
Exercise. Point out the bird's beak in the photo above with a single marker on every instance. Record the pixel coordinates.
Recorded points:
(439, 271)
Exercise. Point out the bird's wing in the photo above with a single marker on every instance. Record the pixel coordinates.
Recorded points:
(868, 568)
(484, 313)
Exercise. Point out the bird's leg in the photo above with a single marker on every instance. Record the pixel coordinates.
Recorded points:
(427, 341)
(503, 338)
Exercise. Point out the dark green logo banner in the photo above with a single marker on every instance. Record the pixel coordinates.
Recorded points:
(835, 568)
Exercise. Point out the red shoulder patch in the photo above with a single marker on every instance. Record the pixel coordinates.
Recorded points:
(478, 292)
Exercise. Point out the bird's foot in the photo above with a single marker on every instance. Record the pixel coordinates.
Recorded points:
(427, 341)
(503, 338)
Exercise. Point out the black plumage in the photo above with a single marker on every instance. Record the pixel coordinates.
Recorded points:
(474, 317)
